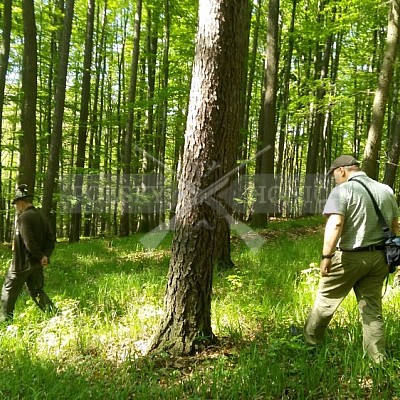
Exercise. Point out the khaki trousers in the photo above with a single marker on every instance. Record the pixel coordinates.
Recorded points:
(364, 272)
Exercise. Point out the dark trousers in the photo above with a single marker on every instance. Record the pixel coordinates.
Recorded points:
(14, 282)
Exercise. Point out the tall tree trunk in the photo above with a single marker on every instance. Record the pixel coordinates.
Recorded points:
(267, 126)
(393, 154)
(222, 253)
(4, 57)
(373, 145)
(313, 154)
(284, 108)
(162, 137)
(93, 186)
(27, 144)
(124, 228)
(148, 178)
(76, 217)
(210, 147)
(56, 136)
(248, 84)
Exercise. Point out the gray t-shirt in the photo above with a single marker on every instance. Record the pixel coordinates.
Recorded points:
(361, 225)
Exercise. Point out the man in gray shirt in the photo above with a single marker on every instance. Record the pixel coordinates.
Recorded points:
(352, 254)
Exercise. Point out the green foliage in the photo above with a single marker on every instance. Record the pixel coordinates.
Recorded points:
(110, 296)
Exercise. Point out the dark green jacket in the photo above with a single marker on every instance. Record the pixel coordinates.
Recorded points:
(32, 239)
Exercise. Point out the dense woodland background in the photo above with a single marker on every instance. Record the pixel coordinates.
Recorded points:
(94, 98)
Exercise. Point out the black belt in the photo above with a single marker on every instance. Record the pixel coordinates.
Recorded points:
(374, 247)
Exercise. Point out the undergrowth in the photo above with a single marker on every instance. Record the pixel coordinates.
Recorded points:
(110, 296)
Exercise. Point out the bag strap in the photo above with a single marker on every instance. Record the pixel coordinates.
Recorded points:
(382, 221)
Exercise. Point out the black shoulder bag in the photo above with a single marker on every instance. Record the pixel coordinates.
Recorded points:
(392, 242)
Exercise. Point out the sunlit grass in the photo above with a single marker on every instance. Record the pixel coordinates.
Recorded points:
(110, 295)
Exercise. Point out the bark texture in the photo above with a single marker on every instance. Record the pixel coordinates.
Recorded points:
(209, 154)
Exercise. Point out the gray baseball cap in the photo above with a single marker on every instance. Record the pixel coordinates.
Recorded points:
(342, 161)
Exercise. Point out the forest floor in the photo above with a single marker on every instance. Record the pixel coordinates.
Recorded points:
(110, 295)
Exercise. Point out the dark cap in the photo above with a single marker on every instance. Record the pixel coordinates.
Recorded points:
(22, 193)
(343, 161)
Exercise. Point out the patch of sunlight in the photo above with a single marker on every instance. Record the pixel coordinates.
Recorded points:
(147, 311)
(12, 330)
(60, 331)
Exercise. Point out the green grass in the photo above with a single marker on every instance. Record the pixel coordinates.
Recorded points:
(110, 294)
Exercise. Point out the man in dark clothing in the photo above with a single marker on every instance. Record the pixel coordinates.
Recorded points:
(32, 246)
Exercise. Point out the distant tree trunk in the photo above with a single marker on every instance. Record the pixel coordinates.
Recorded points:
(93, 187)
(284, 108)
(222, 251)
(162, 136)
(120, 133)
(267, 126)
(248, 83)
(393, 155)
(210, 147)
(27, 144)
(76, 217)
(373, 145)
(4, 57)
(124, 228)
(247, 92)
(148, 179)
(56, 136)
(314, 144)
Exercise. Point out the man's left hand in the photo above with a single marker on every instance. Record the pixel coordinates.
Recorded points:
(325, 266)
(44, 261)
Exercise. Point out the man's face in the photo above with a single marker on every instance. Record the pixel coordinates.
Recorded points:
(339, 175)
(19, 206)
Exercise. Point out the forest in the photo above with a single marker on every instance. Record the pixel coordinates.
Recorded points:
(180, 151)
(94, 102)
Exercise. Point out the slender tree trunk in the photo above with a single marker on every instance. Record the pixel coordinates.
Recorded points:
(284, 108)
(267, 126)
(149, 167)
(313, 154)
(56, 137)
(209, 154)
(393, 156)
(127, 157)
(76, 217)
(164, 111)
(4, 57)
(27, 144)
(373, 146)
(93, 187)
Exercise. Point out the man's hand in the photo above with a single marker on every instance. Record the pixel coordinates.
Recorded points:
(325, 266)
(44, 261)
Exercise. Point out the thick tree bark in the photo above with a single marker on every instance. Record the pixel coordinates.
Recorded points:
(27, 144)
(209, 153)
(373, 146)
